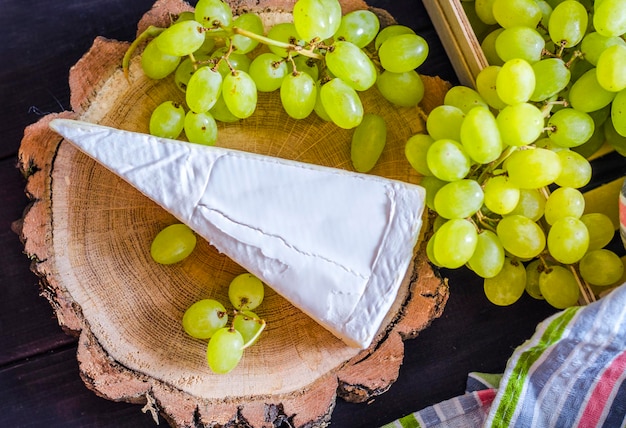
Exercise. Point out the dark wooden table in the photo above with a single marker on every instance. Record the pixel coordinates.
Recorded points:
(39, 381)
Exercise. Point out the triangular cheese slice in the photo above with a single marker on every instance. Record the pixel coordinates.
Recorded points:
(336, 244)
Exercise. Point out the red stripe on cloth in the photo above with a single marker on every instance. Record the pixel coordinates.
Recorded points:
(486, 396)
(599, 398)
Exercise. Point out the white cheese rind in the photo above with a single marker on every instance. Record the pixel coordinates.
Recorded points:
(336, 244)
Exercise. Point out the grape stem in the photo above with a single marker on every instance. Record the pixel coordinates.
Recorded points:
(267, 41)
(149, 32)
(588, 296)
(256, 335)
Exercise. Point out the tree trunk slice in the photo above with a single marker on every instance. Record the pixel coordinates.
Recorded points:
(88, 234)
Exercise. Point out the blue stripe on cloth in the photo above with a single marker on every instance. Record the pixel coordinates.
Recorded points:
(617, 413)
(428, 417)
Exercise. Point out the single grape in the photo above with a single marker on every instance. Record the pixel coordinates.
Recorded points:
(204, 318)
(531, 204)
(431, 184)
(455, 243)
(250, 22)
(521, 236)
(298, 93)
(203, 89)
(601, 229)
(587, 95)
(304, 64)
(520, 42)
(246, 292)
(401, 89)
(484, 11)
(448, 160)
(200, 128)
(464, 98)
(180, 39)
(488, 46)
(156, 64)
(488, 258)
(319, 109)
(183, 73)
(533, 270)
(508, 285)
(564, 202)
(568, 23)
(352, 65)
(568, 240)
(459, 199)
(610, 68)
(224, 350)
(268, 71)
(249, 325)
(618, 113)
(569, 127)
(559, 287)
(609, 17)
(534, 168)
(575, 170)
(284, 32)
(593, 44)
(501, 197)
(480, 136)
(213, 13)
(520, 124)
(220, 112)
(368, 142)
(240, 94)
(509, 13)
(167, 120)
(516, 81)
(391, 31)
(316, 19)
(227, 62)
(403, 53)
(601, 267)
(444, 122)
(342, 103)
(173, 244)
(359, 27)
(551, 77)
(415, 150)
(486, 86)
(614, 138)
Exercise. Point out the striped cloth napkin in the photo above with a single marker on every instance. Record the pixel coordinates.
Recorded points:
(570, 373)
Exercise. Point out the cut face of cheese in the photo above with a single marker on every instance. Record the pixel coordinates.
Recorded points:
(336, 244)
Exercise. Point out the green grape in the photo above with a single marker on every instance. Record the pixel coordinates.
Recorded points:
(551, 77)
(564, 202)
(480, 136)
(319, 109)
(533, 270)
(520, 124)
(250, 22)
(486, 86)
(213, 13)
(488, 258)
(298, 93)
(521, 236)
(484, 11)
(203, 89)
(204, 318)
(156, 64)
(546, 143)
(610, 68)
(167, 120)
(431, 184)
(316, 19)
(559, 287)
(520, 42)
(531, 204)
(401, 89)
(180, 39)
(220, 111)
(304, 64)
(508, 285)
(240, 95)
(249, 325)
(587, 95)
(283, 32)
(569, 127)
(534, 168)
(455, 243)
(268, 71)
(568, 23)
(234, 61)
(618, 113)
(501, 197)
(430, 251)
(510, 13)
(438, 222)
(183, 73)
(173, 244)
(464, 98)
(459, 199)
(415, 150)
(601, 229)
(614, 138)
(342, 103)
(593, 44)
(359, 27)
(444, 121)
(185, 16)
(224, 350)
(389, 32)
(488, 46)
(609, 17)
(352, 65)
(546, 11)
(516, 81)
(246, 292)
(448, 160)
(601, 267)
(575, 170)
(568, 240)
(208, 46)
(403, 53)
(200, 128)
(368, 142)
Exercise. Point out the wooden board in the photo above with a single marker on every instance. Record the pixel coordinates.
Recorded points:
(87, 232)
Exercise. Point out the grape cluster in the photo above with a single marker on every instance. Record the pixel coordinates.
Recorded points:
(503, 163)
(318, 64)
(208, 318)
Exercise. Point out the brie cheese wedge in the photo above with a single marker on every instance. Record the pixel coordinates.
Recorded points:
(334, 243)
